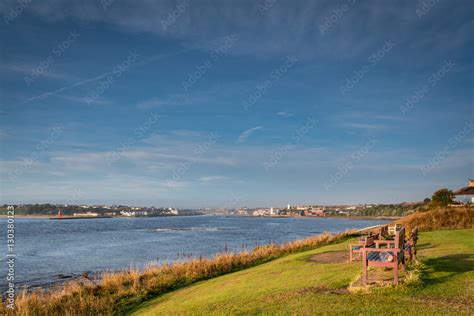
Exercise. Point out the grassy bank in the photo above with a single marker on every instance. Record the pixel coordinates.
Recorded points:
(294, 285)
(118, 292)
(444, 218)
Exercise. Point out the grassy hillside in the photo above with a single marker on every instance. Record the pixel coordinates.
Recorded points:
(293, 284)
(117, 292)
(434, 219)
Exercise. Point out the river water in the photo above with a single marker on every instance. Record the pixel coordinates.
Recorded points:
(49, 251)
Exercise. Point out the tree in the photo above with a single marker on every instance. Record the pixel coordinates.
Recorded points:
(427, 200)
(442, 197)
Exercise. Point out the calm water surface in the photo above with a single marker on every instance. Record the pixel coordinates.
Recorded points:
(48, 251)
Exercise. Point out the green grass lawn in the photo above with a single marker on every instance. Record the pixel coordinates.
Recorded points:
(293, 285)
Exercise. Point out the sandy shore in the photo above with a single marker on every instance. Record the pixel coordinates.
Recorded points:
(27, 216)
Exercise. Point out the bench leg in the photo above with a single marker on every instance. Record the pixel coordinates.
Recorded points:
(395, 275)
(364, 272)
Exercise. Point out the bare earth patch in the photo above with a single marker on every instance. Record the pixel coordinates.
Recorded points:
(379, 276)
(323, 290)
(330, 257)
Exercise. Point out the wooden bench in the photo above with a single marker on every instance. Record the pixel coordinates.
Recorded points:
(390, 256)
(383, 232)
(393, 229)
(364, 242)
(410, 245)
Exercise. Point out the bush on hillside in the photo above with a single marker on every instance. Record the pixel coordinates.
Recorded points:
(450, 218)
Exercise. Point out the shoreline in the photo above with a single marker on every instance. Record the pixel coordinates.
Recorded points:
(67, 217)
(388, 218)
(277, 216)
(54, 281)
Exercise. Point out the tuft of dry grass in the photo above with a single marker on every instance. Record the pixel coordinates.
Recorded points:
(116, 292)
(448, 218)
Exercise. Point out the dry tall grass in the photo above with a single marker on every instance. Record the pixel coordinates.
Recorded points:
(451, 218)
(115, 293)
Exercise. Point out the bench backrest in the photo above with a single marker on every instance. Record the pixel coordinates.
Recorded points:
(414, 235)
(369, 241)
(392, 230)
(400, 238)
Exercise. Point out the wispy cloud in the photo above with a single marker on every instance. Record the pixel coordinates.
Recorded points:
(211, 178)
(284, 114)
(170, 100)
(27, 69)
(362, 126)
(218, 92)
(82, 100)
(199, 23)
(246, 134)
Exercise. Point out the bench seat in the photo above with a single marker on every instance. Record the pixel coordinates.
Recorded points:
(366, 242)
(380, 256)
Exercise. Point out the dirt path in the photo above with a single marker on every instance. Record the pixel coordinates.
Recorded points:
(330, 257)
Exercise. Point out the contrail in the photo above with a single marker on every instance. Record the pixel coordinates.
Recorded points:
(55, 92)
(77, 84)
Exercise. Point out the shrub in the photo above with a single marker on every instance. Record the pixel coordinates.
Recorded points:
(451, 218)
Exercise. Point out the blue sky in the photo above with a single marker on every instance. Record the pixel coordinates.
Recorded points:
(235, 103)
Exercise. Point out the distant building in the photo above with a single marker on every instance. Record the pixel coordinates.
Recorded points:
(259, 212)
(274, 211)
(466, 194)
(316, 211)
(87, 214)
